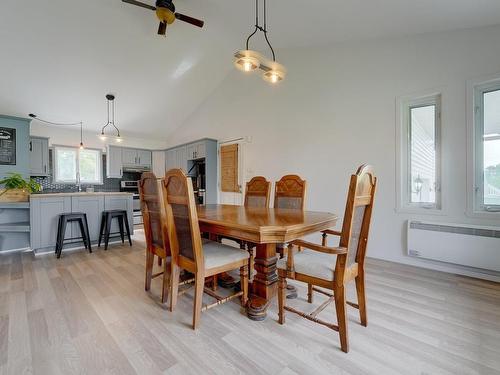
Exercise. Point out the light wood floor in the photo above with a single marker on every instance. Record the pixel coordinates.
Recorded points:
(89, 314)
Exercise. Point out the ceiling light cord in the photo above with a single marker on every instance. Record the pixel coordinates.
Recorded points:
(51, 123)
(263, 29)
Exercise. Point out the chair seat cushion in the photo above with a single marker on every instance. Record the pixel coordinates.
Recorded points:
(217, 254)
(312, 263)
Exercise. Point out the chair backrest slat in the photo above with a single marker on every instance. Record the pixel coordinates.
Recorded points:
(153, 216)
(290, 192)
(182, 218)
(257, 192)
(357, 217)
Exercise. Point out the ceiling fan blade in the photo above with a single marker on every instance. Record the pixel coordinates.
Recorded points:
(191, 20)
(139, 4)
(162, 29)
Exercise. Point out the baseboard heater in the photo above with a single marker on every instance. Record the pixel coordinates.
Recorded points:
(466, 245)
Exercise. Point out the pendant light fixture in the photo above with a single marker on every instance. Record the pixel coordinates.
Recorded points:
(111, 121)
(248, 60)
(80, 124)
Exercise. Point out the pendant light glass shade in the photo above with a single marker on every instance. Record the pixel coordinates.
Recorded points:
(274, 72)
(247, 60)
(273, 76)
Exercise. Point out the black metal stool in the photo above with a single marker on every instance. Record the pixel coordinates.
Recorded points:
(106, 219)
(66, 218)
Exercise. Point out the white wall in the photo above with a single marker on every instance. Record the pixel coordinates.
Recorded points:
(71, 137)
(336, 110)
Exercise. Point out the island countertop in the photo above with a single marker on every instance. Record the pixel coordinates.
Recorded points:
(78, 194)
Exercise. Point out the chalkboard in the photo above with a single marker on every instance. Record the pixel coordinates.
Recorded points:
(7, 146)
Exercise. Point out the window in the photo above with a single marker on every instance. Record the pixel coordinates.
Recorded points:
(486, 146)
(72, 164)
(420, 153)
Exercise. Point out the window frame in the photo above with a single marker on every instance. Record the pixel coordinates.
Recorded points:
(475, 171)
(404, 105)
(77, 177)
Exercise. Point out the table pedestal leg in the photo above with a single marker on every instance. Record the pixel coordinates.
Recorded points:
(265, 281)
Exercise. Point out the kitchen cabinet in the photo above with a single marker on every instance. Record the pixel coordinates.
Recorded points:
(176, 158)
(182, 157)
(93, 206)
(39, 156)
(119, 158)
(196, 150)
(46, 208)
(114, 163)
(136, 158)
(170, 159)
(159, 163)
(14, 226)
(144, 158)
(44, 217)
(129, 156)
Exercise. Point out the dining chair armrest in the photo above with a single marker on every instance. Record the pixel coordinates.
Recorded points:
(320, 248)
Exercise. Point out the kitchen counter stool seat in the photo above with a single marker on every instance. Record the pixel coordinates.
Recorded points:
(123, 224)
(64, 219)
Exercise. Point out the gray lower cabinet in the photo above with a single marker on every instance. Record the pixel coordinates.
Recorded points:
(39, 156)
(93, 206)
(45, 211)
(120, 202)
(44, 218)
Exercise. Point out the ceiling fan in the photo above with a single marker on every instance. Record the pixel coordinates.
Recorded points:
(165, 11)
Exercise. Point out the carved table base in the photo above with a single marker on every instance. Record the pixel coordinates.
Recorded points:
(265, 281)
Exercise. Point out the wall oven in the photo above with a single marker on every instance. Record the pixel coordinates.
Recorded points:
(133, 187)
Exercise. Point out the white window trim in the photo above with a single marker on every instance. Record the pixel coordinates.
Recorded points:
(403, 105)
(474, 124)
(54, 169)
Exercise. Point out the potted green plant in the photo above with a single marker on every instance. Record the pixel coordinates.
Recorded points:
(17, 189)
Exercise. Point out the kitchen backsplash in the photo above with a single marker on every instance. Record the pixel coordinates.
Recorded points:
(109, 184)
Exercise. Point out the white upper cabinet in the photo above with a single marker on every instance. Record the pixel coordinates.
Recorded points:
(129, 156)
(114, 164)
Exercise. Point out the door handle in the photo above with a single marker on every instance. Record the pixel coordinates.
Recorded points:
(31, 146)
(45, 168)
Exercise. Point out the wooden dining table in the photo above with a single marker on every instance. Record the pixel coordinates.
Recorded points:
(264, 227)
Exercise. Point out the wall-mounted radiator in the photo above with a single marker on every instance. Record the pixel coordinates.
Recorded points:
(467, 245)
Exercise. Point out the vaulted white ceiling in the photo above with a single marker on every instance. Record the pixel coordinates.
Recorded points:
(60, 57)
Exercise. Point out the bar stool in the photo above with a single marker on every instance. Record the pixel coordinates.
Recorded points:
(66, 218)
(106, 219)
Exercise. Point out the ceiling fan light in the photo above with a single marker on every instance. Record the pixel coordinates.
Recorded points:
(247, 60)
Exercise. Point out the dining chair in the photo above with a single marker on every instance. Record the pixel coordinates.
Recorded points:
(155, 231)
(289, 192)
(201, 257)
(257, 194)
(333, 267)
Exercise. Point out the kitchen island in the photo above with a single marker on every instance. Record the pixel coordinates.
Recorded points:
(46, 208)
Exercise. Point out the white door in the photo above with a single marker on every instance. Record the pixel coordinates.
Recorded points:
(231, 172)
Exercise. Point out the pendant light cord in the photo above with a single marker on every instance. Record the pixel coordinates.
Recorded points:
(51, 123)
(263, 29)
